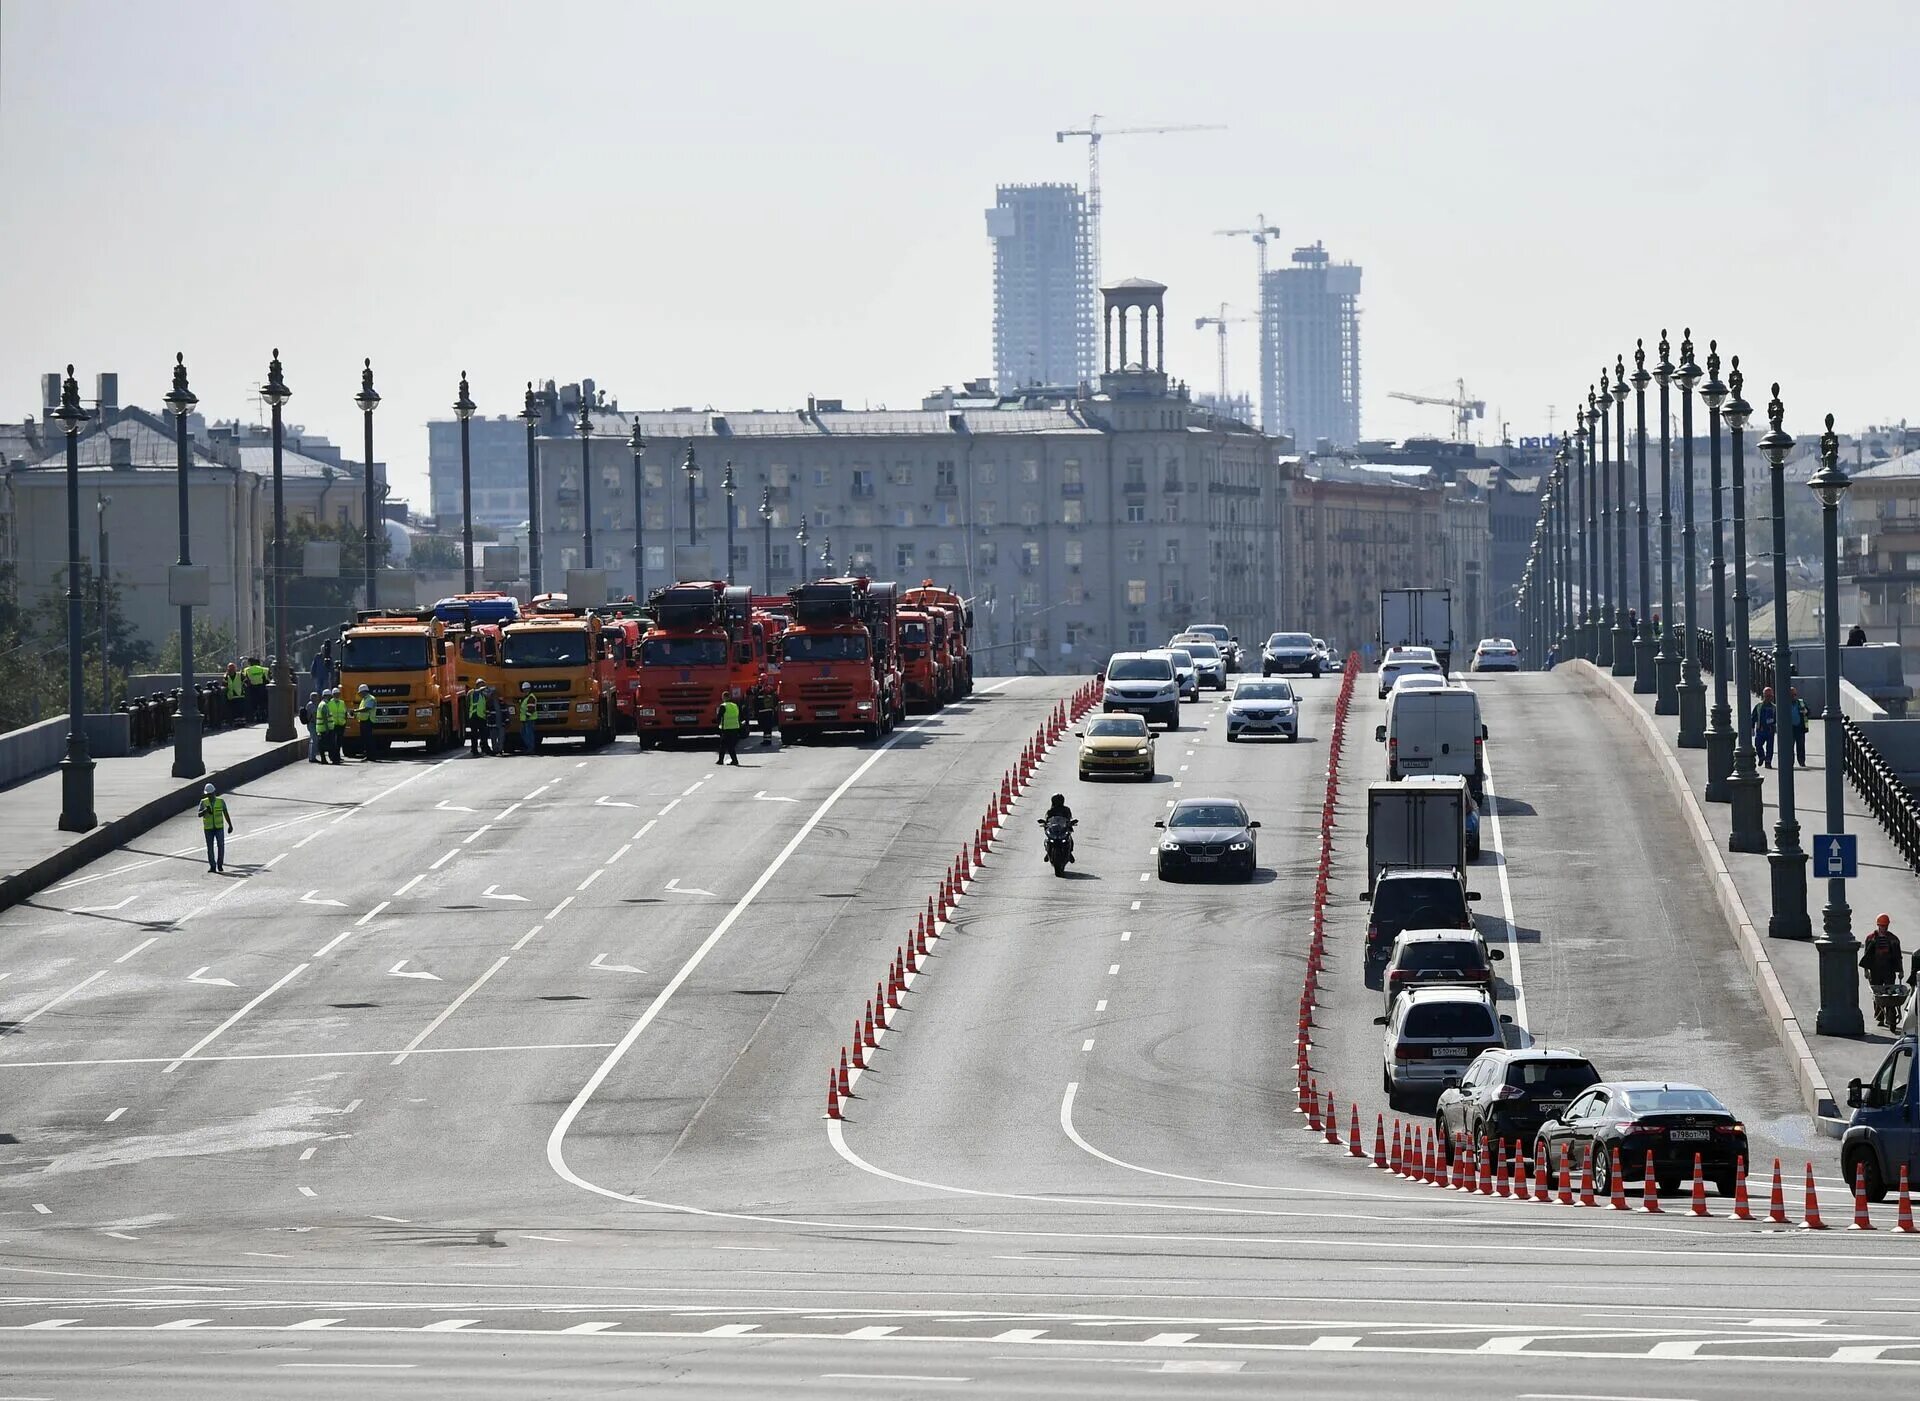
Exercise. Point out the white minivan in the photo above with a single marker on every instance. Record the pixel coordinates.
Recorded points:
(1143, 683)
(1434, 731)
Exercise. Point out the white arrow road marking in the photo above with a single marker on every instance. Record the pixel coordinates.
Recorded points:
(194, 977)
(105, 909)
(395, 972)
(613, 967)
(444, 806)
(678, 889)
(488, 894)
(606, 801)
(767, 797)
(308, 899)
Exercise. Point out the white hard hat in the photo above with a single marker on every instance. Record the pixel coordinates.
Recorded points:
(208, 789)
(363, 687)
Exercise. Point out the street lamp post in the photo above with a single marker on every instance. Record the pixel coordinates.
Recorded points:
(585, 429)
(76, 769)
(280, 699)
(100, 578)
(801, 536)
(1692, 691)
(1836, 947)
(638, 447)
(463, 408)
(726, 485)
(1645, 646)
(187, 760)
(1584, 503)
(1603, 643)
(766, 528)
(1563, 544)
(1789, 863)
(369, 399)
(1743, 788)
(1666, 666)
(1719, 727)
(692, 469)
(530, 415)
(1622, 634)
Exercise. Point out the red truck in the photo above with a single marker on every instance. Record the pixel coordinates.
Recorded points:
(704, 644)
(840, 659)
(953, 641)
(924, 661)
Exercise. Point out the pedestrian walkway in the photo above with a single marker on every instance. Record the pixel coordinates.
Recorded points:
(130, 795)
(1885, 883)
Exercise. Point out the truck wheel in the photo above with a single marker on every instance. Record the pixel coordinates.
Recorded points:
(1865, 1158)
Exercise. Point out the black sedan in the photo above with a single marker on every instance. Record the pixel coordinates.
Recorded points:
(1506, 1095)
(1671, 1121)
(1205, 835)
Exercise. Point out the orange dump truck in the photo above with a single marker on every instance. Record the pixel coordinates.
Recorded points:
(411, 668)
(840, 659)
(956, 647)
(704, 644)
(564, 660)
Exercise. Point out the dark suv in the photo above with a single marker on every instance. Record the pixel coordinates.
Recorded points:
(1440, 958)
(1412, 897)
(1508, 1094)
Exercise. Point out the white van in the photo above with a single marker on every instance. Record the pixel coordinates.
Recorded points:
(1143, 683)
(1434, 731)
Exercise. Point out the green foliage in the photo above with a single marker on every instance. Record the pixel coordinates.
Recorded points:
(213, 647)
(33, 647)
(435, 552)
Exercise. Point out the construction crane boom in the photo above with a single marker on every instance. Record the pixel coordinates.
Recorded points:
(1221, 322)
(1465, 410)
(1094, 132)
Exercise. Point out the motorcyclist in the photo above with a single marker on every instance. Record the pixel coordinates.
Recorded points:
(1059, 812)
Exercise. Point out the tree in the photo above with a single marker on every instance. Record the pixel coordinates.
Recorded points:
(435, 552)
(213, 647)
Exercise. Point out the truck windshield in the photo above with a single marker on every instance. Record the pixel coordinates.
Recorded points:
(826, 647)
(474, 648)
(545, 649)
(1141, 669)
(913, 632)
(684, 651)
(384, 652)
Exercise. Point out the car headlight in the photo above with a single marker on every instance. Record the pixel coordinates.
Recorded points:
(863, 705)
(584, 707)
(1141, 749)
(789, 708)
(424, 712)
(1169, 845)
(1239, 846)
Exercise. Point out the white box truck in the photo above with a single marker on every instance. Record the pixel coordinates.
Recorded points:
(1418, 618)
(1417, 824)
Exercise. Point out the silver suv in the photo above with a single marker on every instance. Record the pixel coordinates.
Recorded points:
(1432, 1036)
(1142, 683)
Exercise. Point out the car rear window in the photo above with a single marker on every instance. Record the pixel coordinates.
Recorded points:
(1441, 953)
(1673, 1102)
(1567, 1075)
(1435, 896)
(1451, 1019)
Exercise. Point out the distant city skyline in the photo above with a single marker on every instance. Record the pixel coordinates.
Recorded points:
(437, 187)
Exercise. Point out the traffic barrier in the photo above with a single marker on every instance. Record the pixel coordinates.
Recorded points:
(1354, 1150)
(1741, 1210)
(1380, 1141)
(1905, 1220)
(1861, 1220)
(1699, 1206)
(1564, 1193)
(859, 1047)
(1777, 1206)
(1812, 1221)
(833, 1097)
(1519, 1173)
(846, 1090)
(1332, 1120)
(1586, 1176)
(1485, 1171)
(1650, 1188)
(1618, 1199)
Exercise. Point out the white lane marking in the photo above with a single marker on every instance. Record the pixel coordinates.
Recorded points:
(592, 876)
(886, 1376)
(527, 937)
(307, 1153)
(620, 853)
(536, 792)
(1143, 875)
(1087, 1045)
(396, 1220)
(555, 911)
(669, 808)
(505, 811)
(409, 885)
(106, 909)
(116, 1114)
(371, 913)
(996, 686)
(1101, 1005)
(678, 889)
(764, 796)
(444, 806)
(483, 827)
(308, 899)
(689, 791)
(1172, 1339)
(557, 1240)
(443, 860)
(448, 1325)
(195, 850)
(1134, 906)
(645, 828)
(607, 800)
(557, 1139)
(1112, 968)
(301, 1055)
(731, 1330)
(352, 1105)
(412, 778)
(597, 1327)
(332, 943)
(492, 892)
(605, 967)
(873, 1330)
(308, 1324)
(213, 1035)
(53, 1323)
(308, 1192)
(43, 1209)
(273, 861)
(400, 970)
(194, 977)
(1506, 897)
(309, 837)
(452, 1007)
(1126, 936)
(1591, 1396)
(145, 943)
(581, 765)
(1018, 1335)
(347, 1366)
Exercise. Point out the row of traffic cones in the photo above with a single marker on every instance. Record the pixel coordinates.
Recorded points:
(1305, 1089)
(910, 957)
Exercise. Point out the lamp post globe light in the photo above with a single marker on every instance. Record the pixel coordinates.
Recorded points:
(1623, 659)
(1646, 644)
(1597, 413)
(530, 415)
(1788, 861)
(638, 447)
(76, 769)
(766, 528)
(1692, 692)
(1719, 727)
(584, 427)
(187, 758)
(826, 555)
(801, 536)
(1666, 664)
(1836, 947)
(726, 485)
(368, 399)
(1748, 831)
(463, 408)
(280, 698)
(692, 469)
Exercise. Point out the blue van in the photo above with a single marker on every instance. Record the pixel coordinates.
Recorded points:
(1883, 1135)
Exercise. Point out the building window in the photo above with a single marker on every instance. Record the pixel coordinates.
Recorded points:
(1076, 593)
(1173, 551)
(823, 476)
(1136, 593)
(778, 475)
(1075, 554)
(1029, 556)
(1030, 597)
(651, 473)
(944, 514)
(903, 556)
(740, 560)
(1072, 512)
(860, 516)
(945, 555)
(989, 554)
(862, 557)
(901, 474)
(987, 473)
(862, 481)
(1136, 552)
(1030, 470)
(613, 479)
(822, 519)
(1136, 633)
(1070, 475)
(1030, 514)
(1136, 513)
(983, 513)
(656, 557)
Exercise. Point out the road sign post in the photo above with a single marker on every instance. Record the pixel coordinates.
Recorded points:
(1836, 856)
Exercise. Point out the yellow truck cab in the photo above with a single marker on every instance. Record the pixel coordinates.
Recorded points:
(406, 661)
(565, 661)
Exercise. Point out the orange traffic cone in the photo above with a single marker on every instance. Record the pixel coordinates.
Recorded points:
(1542, 1193)
(1501, 1187)
(883, 1002)
(1520, 1192)
(1313, 1107)
(1353, 1132)
(913, 965)
(1586, 1176)
(1905, 1221)
(1650, 1188)
(1699, 1207)
(1564, 1192)
(933, 920)
(1399, 1160)
(1741, 1210)
(1331, 1120)
(846, 1090)
(833, 1097)
(1618, 1198)
(1777, 1205)
(1812, 1214)
(1380, 1141)
(1861, 1221)
(1458, 1164)
(1485, 1165)
(859, 1047)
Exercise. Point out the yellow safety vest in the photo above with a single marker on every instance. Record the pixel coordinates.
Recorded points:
(729, 715)
(213, 813)
(477, 706)
(256, 675)
(527, 710)
(363, 712)
(235, 686)
(336, 713)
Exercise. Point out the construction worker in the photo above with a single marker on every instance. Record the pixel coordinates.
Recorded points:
(336, 725)
(529, 736)
(364, 711)
(216, 821)
(236, 696)
(1797, 716)
(1764, 721)
(730, 724)
(256, 676)
(496, 723)
(477, 719)
(310, 717)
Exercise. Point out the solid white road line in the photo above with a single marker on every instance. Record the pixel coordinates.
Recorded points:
(49, 1006)
(452, 1007)
(116, 1114)
(211, 1036)
(1492, 819)
(527, 937)
(371, 913)
(136, 949)
(409, 885)
(476, 832)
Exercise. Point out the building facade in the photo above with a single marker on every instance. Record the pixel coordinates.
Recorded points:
(1043, 294)
(1078, 524)
(1312, 308)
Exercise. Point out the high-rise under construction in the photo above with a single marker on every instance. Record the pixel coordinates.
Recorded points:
(1043, 326)
(1313, 371)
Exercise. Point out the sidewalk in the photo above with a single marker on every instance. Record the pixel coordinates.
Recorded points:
(130, 796)
(1885, 884)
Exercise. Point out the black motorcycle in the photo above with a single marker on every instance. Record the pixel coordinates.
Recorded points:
(1059, 842)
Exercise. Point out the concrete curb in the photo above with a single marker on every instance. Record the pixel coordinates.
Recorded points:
(1814, 1093)
(184, 796)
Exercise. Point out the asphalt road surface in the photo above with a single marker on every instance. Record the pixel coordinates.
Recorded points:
(504, 1077)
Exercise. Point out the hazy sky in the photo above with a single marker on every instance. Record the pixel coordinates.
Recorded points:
(740, 204)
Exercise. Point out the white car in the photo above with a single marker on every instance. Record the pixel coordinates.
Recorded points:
(1263, 708)
(1418, 681)
(1184, 672)
(1496, 654)
(1407, 661)
(1208, 665)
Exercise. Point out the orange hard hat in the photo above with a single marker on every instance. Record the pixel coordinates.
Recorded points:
(1882, 922)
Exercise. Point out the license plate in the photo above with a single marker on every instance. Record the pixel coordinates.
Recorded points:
(1203, 858)
(1449, 1052)
(829, 714)
(683, 719)
(1690, 1135)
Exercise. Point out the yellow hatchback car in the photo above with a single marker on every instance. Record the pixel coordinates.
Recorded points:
(1116, 744)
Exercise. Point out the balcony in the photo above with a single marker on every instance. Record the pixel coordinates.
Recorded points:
(1171, 487)
(1136, 486)
(863, 490)
(946, 489)
(1073, 489)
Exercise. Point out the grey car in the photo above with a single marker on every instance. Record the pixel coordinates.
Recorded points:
(1204, 835)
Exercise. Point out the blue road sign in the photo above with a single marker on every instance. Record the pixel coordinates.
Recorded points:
(1836, 854)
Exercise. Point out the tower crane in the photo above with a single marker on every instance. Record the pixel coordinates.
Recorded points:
(1465, 410)
(1269, 344)
(1094, 134)
(1221, 322)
